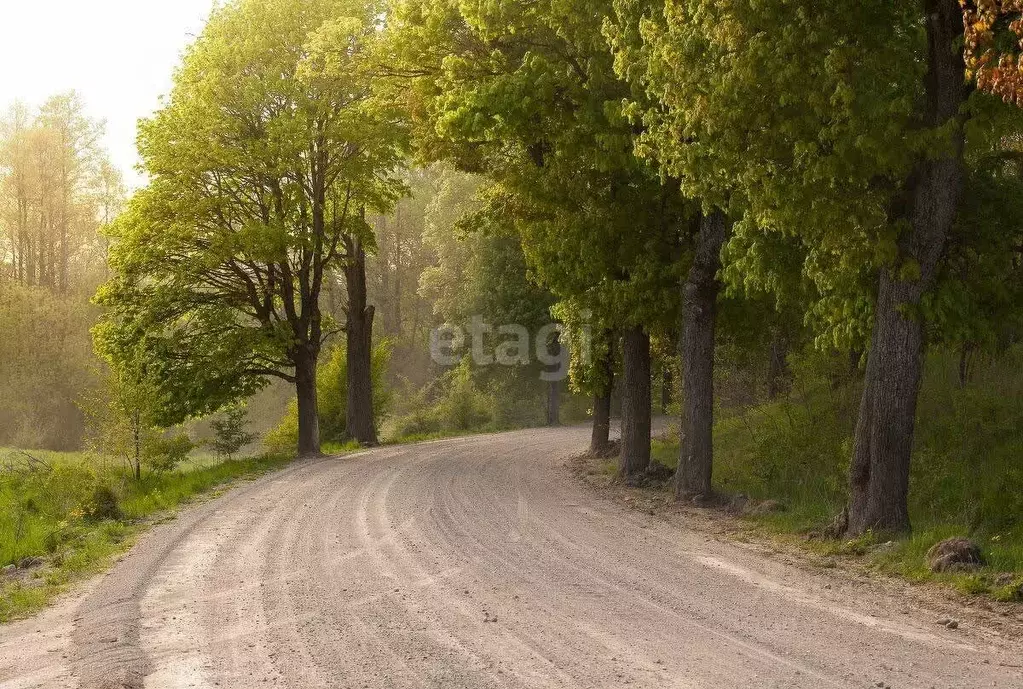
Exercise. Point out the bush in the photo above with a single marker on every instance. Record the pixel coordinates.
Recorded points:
(467, 400)
(164, 453)
(463, 406)
(104, 504)
(452, 404)
(283, 438)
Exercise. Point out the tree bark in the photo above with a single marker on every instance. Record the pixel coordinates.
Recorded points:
(554, 390)
(635, 454)
(699, 316)
(554, 403)
(359, 421)
(308, 406)
(136, 429)
(778, 366)
(600, 440)
(879, 474)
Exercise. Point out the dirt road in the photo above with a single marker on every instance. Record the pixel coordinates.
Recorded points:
(475, 562)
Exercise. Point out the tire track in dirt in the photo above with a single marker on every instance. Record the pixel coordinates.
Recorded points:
(477, 562)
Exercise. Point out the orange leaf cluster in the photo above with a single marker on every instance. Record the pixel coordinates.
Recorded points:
(997, 71)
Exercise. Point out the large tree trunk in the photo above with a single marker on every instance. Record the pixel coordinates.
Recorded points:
(699, 316)
(359, 421)
(600, 440)
(600, 437)
(879, 475)
(308, 407)
(635, 455)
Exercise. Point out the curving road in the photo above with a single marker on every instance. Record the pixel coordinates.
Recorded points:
(477, 562)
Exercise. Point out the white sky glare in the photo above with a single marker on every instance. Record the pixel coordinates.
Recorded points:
(119, 55)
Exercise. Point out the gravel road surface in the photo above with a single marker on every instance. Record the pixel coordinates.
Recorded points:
(476, 562)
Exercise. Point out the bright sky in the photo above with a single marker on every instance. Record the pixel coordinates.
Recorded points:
(118, 54)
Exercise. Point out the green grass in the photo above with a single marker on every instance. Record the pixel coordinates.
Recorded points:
(56, 512)
(967, 476)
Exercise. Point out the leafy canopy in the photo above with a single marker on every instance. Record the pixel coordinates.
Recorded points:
(268, 148)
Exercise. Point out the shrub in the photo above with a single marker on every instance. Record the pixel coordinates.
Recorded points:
(452, 404)
(463, 406)
(164, 453)
(283, 438)
(104, 504)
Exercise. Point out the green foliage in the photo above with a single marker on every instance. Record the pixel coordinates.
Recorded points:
(121, 415)
(977, 300)
(229, 435)
(463, 406)
(453, 404)
(804, 127)
(122, 423)
(332, 398)
(104, 504)
(468, 400)
(220, 262)
(592, 343)
(538, 113)
(804, 121)
(284, 436)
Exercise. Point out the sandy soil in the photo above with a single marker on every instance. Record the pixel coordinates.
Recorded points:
(478, 562)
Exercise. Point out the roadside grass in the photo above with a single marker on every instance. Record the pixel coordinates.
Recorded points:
(66, 517)
(967, 475)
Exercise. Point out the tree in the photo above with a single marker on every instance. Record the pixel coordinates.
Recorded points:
(525, 95)
(122, 416)
(481, 281)
(594, 362)
(261, 165)
(699, 321)
(781, 139)
(879, 475)
(52, 177)
(840, 125)
(229, 434)
(400, 258)
(332, 399)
